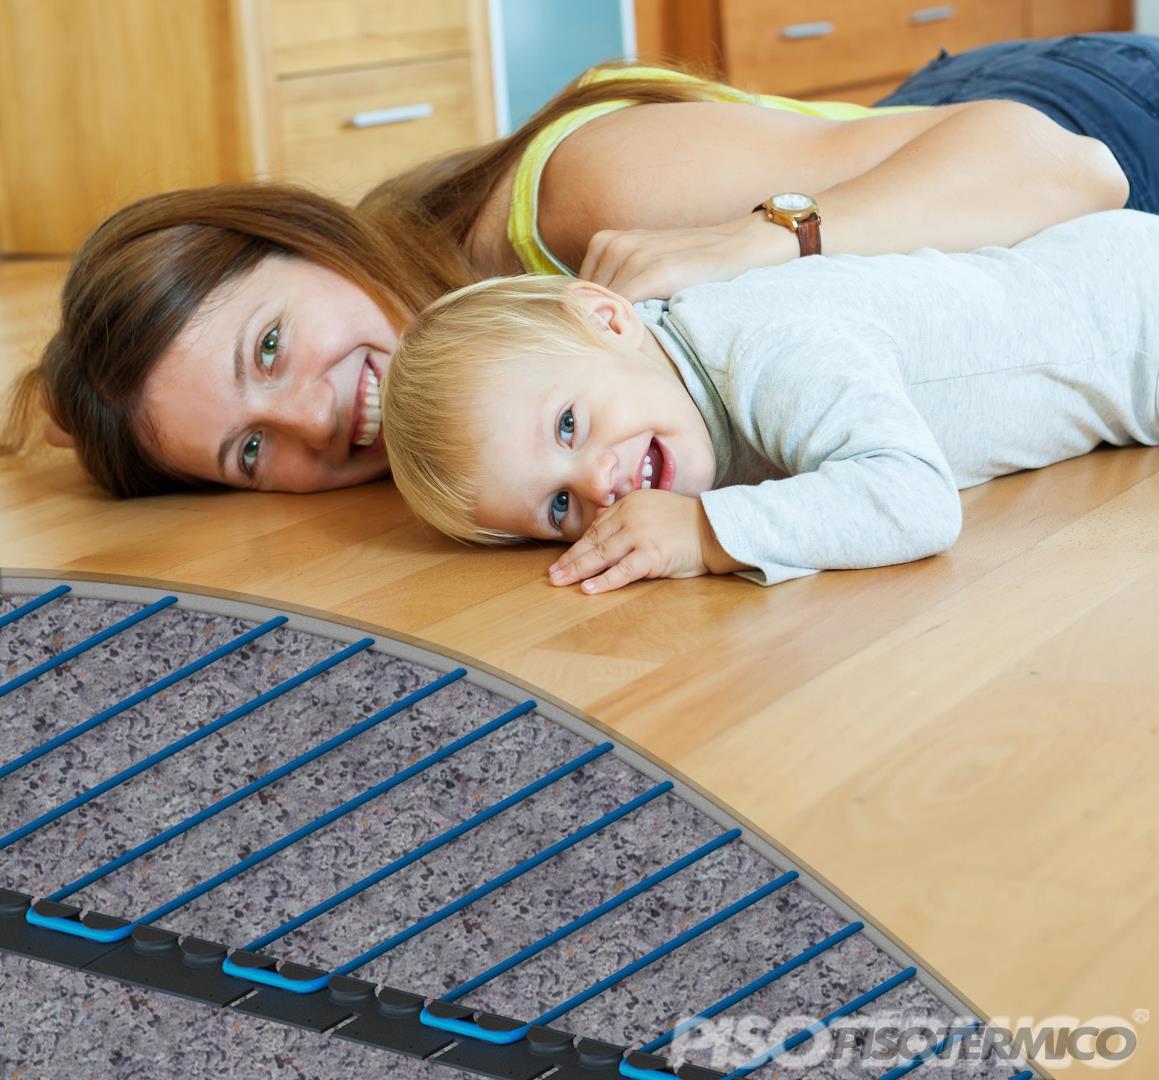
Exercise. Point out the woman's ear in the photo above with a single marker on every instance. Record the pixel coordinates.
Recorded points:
(55, 435)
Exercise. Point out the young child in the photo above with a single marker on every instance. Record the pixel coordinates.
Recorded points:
(817, 415)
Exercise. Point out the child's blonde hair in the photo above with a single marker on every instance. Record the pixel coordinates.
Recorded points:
(442, 364)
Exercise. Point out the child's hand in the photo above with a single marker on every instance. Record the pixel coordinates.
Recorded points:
(647, 534)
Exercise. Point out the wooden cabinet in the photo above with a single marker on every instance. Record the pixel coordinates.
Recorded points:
(105, 101)
(1046, 18)
(786, 47)
(321, 35)
(344, 131)
(855, 50)
(357, 90)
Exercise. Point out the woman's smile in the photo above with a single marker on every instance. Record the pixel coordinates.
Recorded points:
(366, 415)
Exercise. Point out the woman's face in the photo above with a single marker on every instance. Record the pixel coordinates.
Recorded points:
(274, 384)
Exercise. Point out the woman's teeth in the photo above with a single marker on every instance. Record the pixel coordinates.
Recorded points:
(371, 411)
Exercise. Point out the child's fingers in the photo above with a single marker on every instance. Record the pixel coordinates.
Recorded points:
(596, 551)
(591, 547)
(630, 568)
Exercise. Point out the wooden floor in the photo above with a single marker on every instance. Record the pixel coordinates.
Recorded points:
(968, 747)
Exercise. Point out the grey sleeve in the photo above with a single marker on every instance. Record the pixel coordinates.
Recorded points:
(865, 481)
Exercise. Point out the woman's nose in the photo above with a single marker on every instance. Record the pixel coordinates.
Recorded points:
(308, 411)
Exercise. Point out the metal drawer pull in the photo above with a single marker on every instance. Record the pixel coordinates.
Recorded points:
(938, 13)
(800, 31)
(381, 117)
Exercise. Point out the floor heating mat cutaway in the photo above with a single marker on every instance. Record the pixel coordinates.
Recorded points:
(412, 866)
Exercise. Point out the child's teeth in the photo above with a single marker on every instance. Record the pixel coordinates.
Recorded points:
(647, 467)
(646, 484)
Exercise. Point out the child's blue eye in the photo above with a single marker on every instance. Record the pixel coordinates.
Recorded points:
(249, 453)
(559, 504)
(567, 425)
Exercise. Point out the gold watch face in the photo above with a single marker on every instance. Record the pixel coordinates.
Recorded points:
(793, 203)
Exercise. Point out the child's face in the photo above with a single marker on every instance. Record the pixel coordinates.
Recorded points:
(562, 436)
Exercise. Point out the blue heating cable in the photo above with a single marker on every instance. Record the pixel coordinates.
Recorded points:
(780, 970)
(444, 838)
(256, 785)
(84, 646)
(475, 1031)
(78, 929)
(273, 977)
(141, 695)
(793, 1041)
(591, 916)
(176, 747)
(30, 606)
(503, 879)
(918, 1060)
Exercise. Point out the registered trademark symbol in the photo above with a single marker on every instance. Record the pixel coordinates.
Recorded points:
(1141, 1016)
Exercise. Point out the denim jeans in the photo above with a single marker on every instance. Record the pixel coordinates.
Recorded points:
(1102, 85)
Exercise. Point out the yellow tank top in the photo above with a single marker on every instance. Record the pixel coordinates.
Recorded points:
(523, 217)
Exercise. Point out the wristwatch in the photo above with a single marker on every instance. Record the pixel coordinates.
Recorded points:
(797, 213)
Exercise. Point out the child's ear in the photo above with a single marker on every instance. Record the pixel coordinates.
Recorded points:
(606, 310)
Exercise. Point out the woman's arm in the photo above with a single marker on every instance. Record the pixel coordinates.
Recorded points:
(688, 175)
(993, 172)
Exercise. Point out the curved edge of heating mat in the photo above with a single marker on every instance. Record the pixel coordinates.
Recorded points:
(509, 688)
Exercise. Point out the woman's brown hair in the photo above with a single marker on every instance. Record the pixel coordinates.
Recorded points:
(143, 274)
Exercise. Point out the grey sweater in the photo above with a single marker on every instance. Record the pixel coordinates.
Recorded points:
(849, 398)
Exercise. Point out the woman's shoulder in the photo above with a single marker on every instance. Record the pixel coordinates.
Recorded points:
(663, 165)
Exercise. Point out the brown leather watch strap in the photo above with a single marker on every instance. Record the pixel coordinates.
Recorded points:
(809, 235)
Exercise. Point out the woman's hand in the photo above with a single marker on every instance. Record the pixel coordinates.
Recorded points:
(646, 534)
(644, 264)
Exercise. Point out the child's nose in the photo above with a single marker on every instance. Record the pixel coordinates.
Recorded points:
(600, 478)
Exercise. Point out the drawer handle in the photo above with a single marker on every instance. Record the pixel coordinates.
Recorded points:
(801, 31)
(938, 13)
(382, 117)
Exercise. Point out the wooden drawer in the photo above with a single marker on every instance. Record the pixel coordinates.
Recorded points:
(797, 47)
(322, 35)
(1049, 18)
(322, 146)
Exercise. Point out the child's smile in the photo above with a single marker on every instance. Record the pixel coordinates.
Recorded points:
(657, 469)
(564, 436)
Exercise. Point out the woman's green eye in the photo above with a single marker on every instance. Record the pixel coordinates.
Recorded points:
(567, 424)
(249, 453)
(268, 350)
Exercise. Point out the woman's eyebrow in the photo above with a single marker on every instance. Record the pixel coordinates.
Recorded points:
(239, 370)
(230, 438)
(238, 357)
